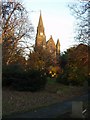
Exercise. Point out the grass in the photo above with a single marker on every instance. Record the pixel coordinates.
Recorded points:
(51, 80)
(15, 101)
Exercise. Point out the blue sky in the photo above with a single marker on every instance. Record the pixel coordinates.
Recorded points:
(57, 19)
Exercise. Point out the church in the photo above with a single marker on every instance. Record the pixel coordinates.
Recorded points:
(41, 40)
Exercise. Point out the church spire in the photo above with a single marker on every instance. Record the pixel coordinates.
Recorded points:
(40, 23)
(58, 47)
(40, 28)
(58, 50)
(40, 36)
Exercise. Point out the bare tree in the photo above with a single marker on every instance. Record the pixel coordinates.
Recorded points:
(81, 11)
(16, 30)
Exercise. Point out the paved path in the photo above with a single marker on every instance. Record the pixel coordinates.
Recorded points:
(51, 111)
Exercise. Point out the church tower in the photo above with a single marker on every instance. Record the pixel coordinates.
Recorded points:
(40, 36)
(40, 41)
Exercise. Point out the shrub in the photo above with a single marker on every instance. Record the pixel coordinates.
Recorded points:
(31, 80)
(9, 72)
(34, 80)
(62, 78)
(74, 79)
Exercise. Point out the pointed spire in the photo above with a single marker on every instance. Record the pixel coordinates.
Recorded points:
(58, 42)
(40, 20)
(51, 38)
(58, 47)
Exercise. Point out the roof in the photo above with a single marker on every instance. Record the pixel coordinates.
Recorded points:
(51, 41)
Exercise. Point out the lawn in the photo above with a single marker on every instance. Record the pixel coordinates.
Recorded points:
(15, 101)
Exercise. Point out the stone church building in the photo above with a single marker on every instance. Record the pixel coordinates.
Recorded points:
(41, 40)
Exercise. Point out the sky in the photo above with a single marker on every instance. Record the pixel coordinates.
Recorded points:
(57, 19)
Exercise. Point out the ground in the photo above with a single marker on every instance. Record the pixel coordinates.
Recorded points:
(15, 101)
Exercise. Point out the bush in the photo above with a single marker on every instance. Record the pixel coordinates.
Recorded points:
(65, 79)
(31, 80)
(34, 80)
(62, 78)
(9, 72)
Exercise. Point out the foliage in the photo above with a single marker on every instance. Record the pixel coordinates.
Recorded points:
(81, 11)
(16, 28)
(54, 71)
(34, 80)
(9, 72)
(40, 60)
(75, 71)
(19, 79)
(63, 59)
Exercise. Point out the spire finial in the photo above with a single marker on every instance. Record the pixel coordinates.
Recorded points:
(40, 12)
(51, 36)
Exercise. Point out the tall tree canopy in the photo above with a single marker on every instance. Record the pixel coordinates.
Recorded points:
(74, 65)
(40, 59)
(81, 11)
(16, 30)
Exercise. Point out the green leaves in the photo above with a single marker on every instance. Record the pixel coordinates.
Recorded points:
(75, 69)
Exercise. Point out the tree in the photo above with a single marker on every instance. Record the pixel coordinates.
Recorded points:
(75, 70)
(63, 59)
(78, 64)
(16, 30)
(81, 11)
(40, 59)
